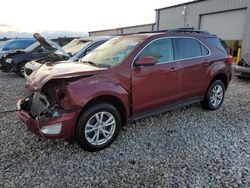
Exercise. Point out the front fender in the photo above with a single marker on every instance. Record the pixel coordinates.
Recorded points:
(80, 92)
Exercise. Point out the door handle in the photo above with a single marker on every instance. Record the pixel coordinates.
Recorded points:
(172, 70)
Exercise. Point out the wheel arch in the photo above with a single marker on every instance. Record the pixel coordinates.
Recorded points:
(110, 99)
(221, 76)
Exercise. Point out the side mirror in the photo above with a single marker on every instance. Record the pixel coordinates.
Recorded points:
(146, 61)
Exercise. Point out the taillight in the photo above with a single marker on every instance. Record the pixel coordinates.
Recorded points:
(230, 59)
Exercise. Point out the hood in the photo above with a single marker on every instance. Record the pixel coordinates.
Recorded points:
(49, 44)
(59, 70)
(12, 52)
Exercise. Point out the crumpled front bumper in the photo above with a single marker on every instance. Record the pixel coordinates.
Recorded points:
(66, 120)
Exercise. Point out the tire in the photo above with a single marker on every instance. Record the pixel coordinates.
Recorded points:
(214, 99)
(21, 69)
(89, 128)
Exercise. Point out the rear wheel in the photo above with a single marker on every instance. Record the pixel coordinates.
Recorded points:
(98, 127)
(214, 96)
(21, 69)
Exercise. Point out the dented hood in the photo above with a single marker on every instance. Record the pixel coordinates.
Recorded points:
(59, 70)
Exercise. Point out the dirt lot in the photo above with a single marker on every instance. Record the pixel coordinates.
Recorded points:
(188, 147)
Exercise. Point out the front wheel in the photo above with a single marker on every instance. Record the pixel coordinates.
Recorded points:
(98, 127)
(21, 70)
(214, 96)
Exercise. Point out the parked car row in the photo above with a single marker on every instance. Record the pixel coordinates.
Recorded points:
(125, 78)
(45, 50)
(18, 44)
(73, 51)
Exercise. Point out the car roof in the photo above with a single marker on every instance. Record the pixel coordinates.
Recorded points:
(174, 33)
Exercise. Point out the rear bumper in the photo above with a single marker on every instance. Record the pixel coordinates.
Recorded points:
(67, 121)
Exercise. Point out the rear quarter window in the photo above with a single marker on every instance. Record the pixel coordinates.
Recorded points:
(217, 44)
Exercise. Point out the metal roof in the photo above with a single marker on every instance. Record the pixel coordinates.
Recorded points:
(182, 4)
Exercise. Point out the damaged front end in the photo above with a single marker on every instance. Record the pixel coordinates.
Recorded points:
(47, 113)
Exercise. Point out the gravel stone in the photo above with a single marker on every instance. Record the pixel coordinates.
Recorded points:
(189, 147)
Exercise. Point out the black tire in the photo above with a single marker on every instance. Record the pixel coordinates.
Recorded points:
(20, 69)
(208, 102)
(87, 116)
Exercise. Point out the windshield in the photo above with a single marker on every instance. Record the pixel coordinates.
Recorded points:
(112, 52)
(32, 47)
(74, 46)
(5, 43)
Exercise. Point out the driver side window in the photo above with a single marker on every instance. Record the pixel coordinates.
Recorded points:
(161, 50)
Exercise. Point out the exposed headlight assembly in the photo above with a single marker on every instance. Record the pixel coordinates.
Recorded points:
(9, 60)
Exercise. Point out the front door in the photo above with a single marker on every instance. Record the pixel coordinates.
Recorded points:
(155, 86)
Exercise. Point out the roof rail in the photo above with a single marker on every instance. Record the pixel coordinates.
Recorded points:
(190, 30)
(185, 30)
(158, 31)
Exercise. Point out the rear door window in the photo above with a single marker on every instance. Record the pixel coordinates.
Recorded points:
(161, 50)
(189, 48)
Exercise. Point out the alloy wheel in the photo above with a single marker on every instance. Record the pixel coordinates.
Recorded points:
(217, 95)
(22, 70)
(100, 128)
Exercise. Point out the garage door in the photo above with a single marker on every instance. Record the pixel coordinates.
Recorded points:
(227, 25)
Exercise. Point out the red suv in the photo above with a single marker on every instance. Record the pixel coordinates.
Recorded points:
(128, 78)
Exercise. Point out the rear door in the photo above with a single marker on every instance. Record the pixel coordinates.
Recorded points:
(155, 86)
(192, 56)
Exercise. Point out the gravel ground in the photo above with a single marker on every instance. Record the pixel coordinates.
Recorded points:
(189, 147)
